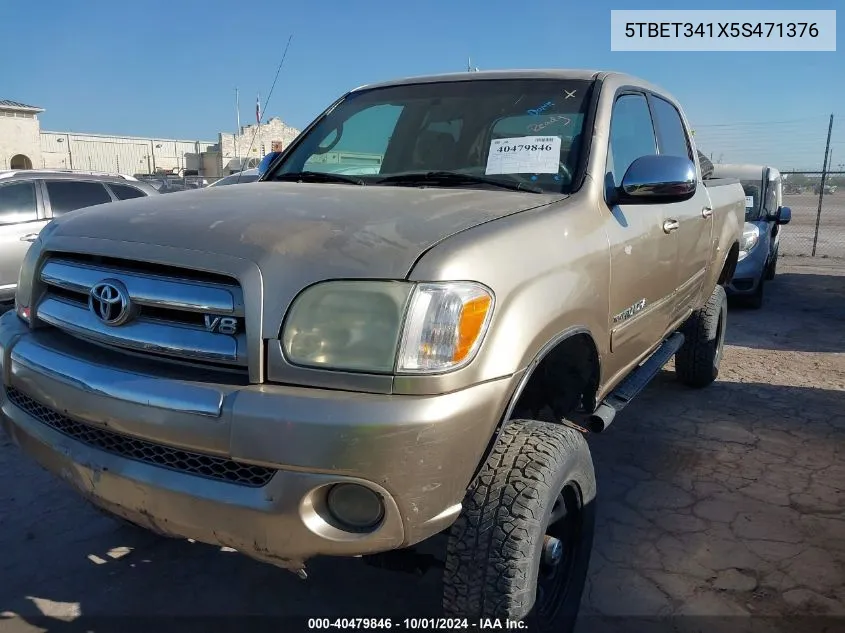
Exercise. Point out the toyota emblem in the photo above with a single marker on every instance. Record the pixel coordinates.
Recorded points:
(109, 301)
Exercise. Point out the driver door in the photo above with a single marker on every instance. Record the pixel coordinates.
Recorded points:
(643, 256)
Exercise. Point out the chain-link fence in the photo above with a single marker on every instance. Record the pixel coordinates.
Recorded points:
(817, 228)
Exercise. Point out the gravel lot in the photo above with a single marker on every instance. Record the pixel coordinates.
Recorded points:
(727, 501)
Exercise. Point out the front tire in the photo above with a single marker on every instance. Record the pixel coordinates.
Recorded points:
(755, 301)
(697, 361)
(772, 268)
(521, 547)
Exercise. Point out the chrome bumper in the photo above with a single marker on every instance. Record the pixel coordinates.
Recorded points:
(70, 412)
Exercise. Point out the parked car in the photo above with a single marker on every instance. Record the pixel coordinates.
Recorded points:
(764, 217)
(29, 199)
(828, 189)
(166, 184)
(352, 364)
(239, 178)
(790, 188)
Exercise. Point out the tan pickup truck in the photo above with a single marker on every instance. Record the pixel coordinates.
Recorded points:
(405, 329)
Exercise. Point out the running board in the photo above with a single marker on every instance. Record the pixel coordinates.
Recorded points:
(634, 383)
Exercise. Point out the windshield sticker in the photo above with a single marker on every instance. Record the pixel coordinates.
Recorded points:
(569, 95)
(539, 110)
(749, 202)
(555, 118)
(524, 155)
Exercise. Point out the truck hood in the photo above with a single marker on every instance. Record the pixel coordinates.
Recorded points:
(300, 233)
(371, 231)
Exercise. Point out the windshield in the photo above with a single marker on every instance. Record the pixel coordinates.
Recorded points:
(753, 198)
(514, 131)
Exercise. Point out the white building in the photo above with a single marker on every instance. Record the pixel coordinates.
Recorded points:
(23, 145)
(234, 152)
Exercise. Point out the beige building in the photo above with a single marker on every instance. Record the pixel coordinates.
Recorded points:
(234, 152)
(20, 146)
(23, 145)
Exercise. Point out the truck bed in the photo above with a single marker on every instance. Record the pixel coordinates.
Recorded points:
(719, 182)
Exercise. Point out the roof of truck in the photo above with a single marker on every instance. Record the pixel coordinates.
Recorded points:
(563, 74)
(542, 73)
(744, 171)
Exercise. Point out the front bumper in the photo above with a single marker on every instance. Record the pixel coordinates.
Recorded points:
(244, 467)
(749, 273)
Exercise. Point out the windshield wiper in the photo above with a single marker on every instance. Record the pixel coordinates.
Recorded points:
(452, 178)
(318, 176)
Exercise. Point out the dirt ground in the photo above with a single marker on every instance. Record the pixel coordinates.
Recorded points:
(729, 501)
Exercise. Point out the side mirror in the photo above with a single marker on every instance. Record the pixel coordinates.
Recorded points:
(784, 215)
(658, 179)
(264, 165)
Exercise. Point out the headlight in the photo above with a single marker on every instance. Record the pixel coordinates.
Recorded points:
(750, 237)
(445, 325)
(387, 326)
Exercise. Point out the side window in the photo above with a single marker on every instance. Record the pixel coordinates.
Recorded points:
(18, 203)
(69, 195)
(631, 135)
(672, 137)
(125, 192)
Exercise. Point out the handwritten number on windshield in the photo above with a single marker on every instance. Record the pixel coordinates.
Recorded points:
(536, 127)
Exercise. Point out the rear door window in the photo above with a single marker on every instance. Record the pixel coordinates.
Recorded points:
(671, 134)
(18, 203)
(125, 192)
(69, 195)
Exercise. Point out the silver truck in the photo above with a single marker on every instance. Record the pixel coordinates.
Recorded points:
(333, 361)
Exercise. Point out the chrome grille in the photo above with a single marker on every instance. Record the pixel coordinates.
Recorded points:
(171, 307)
(188, 462)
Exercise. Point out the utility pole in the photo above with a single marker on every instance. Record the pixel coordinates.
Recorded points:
(825, 166)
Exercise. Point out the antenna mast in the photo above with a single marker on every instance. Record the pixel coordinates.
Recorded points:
(238, 129)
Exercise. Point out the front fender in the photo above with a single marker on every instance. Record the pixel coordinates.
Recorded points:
(727, 234)
(549, 269)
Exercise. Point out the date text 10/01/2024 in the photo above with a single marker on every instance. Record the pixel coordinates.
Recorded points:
(414, 624)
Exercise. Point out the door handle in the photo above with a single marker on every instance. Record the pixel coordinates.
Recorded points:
(706, 212)
(670, 225)
(29, 237)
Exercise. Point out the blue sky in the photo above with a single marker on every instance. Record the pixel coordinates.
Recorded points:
(169, 69)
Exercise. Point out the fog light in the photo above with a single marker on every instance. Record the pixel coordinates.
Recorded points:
(23, 311)
(355, 506)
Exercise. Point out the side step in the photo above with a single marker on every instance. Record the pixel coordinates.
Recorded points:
(634, 383)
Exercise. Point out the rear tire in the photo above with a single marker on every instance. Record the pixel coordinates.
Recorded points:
(538, 482)
(697, 361)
